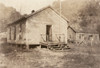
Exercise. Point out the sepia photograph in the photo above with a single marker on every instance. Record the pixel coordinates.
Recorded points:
(49, 33)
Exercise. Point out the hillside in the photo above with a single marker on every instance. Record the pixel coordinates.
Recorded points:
(7, 15)
(81, 13)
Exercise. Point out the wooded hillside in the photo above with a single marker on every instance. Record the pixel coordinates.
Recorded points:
(7, 15)
(83, 14)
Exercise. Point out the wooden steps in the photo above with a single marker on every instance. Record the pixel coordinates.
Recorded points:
(55, 45)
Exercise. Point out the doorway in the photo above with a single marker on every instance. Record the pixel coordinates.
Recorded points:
(48, 32)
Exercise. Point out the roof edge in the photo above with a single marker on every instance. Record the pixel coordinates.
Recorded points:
(25, 17)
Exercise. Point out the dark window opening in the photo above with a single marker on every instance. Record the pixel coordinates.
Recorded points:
(20, 27)
(9, 33)
(14, 32)
(90, 36)
(20, 31)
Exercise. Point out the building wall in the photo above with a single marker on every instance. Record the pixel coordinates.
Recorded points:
(71, 35)
(16, 33)
(36, 25)
(3, 37)
(87, 37)
(80, 37)
(10, 34)
(20, 33)
(96, 38)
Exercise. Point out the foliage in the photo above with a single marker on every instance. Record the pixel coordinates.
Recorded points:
(7, 15)
(81, 13)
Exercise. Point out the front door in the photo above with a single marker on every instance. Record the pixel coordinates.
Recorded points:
(48, 32)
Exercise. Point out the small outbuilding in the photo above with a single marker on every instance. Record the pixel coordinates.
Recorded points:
(79, 36)
(42, 27)
(71, 34)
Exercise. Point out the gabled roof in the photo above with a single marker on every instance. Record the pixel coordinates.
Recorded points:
(44, 9)
(17, 21)
(27, 16)
(83, 30)
(71, 28)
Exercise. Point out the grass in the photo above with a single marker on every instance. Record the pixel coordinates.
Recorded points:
(83, 56)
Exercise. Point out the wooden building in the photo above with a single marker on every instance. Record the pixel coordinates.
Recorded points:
(71, 34)
(44, 26)
(79, 36)
(3, 37)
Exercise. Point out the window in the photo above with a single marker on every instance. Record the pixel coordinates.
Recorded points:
(20, 31)
(20, 28)
(80, 36)
(14, 32)
(10, 33)
(90, 36)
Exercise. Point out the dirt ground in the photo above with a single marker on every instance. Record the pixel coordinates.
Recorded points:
(76, 57)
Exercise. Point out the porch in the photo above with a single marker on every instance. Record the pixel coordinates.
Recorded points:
(57, 44)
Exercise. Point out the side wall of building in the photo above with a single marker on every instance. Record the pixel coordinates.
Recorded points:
(71, 35)
(36, 26)
(16, 33)
(87, 37)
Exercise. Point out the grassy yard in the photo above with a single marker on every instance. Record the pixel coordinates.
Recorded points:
(77, 57)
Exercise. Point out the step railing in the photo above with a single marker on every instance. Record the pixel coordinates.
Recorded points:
(43, 37)
(49, 38)
(60, 37)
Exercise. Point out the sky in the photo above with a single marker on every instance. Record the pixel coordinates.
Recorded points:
(26, 6)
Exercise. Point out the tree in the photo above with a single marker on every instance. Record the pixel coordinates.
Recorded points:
(81, 13)
(7, 15)
(90, 14)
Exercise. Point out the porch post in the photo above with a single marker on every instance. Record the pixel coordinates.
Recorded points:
(27, 46)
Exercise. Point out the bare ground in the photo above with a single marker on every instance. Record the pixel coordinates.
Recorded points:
(76, 57)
